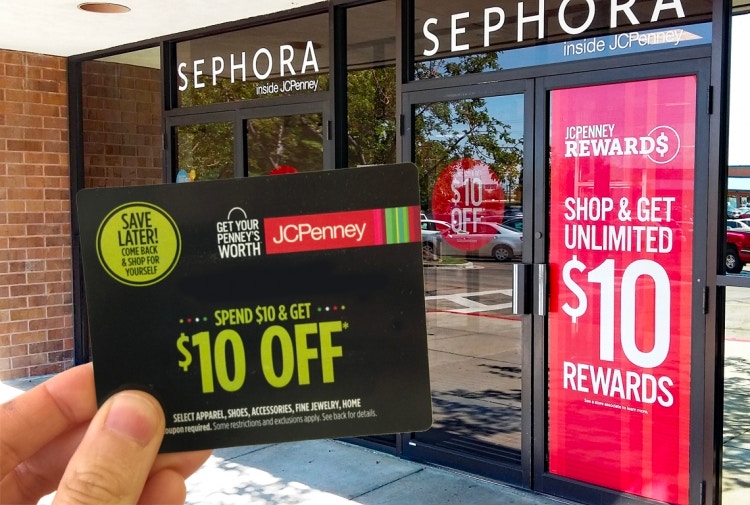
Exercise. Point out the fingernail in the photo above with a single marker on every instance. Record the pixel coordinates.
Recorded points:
(133, 416)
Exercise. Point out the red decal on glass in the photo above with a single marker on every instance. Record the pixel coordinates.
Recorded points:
(622, 163)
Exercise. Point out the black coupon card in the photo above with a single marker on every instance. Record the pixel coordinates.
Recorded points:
(263, 309)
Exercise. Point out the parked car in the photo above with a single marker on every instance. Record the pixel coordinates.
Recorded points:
(431, 230)
(744, 212)
(510, 213)
(737, 253)
(516, 223)
(737, 224)
(490, 240)
(432, 227)
(733, 212)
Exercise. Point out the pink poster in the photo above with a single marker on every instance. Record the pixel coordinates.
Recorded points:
(621, 231)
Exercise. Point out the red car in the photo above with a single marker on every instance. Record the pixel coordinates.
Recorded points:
(737, 252)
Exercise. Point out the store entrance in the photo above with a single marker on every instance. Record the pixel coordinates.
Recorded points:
(543, 281)
(471, 152)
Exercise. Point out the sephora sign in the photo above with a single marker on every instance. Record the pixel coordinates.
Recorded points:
(514, 23)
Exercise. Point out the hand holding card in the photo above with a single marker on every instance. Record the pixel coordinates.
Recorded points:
(263, 309)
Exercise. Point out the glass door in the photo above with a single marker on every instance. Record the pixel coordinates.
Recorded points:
(625, 328)
(286, 139)
(284, 144)
(470, 151)
(203, 147)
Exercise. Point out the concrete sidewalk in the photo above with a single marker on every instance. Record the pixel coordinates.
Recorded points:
(326, 472)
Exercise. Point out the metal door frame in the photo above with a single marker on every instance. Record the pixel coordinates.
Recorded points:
(513, 474)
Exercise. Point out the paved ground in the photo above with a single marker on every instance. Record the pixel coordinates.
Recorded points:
(330, 473)
(327, 472)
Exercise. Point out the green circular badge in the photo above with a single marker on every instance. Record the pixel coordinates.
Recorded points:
(138, 244)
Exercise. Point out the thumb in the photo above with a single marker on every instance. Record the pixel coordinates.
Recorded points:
(114, 459)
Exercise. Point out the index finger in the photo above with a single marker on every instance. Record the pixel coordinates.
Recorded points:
(30, 421)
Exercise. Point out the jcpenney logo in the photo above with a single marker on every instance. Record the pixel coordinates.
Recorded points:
(340, 230)
(291, 233)
(316, 232)
(661, 145)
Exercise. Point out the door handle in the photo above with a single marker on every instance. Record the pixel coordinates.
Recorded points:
(541, 289)
(521, 293)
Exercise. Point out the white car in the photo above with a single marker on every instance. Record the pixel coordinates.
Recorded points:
(738, 224)
(490, 240)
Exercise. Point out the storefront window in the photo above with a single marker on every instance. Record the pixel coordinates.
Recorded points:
(285, 144)
(279, 59)
(122, 132)
(736, 369)
(447, 132)
(487, 35)
(205, 152)
(736, 373)
(737, 254)
(371, 84)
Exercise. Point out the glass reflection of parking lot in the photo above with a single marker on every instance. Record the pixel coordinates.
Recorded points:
(736, 436)
(470, 153)
(475, 358)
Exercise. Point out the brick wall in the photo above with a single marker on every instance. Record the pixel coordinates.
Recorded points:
(36, 306)
(122, 146)
(121, 124)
